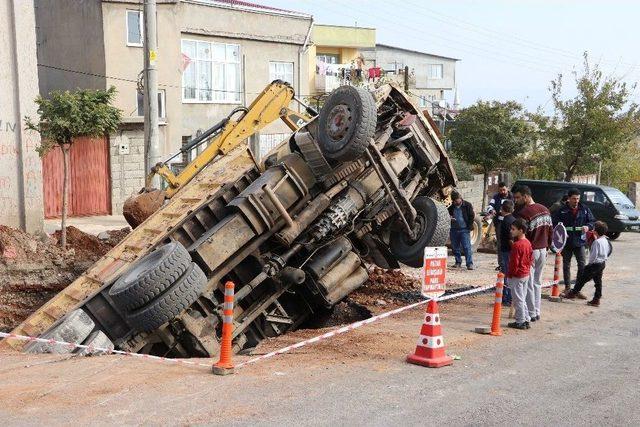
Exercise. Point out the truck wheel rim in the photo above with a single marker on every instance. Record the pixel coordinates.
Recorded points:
(338, 122)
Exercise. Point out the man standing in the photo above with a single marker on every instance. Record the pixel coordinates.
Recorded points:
(578, 220)
(493, 210)
(462, 216)
(539, 232)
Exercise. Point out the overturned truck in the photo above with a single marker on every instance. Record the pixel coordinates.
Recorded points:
(361, 183)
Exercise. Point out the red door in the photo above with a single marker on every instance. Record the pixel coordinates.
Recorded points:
(90, 188)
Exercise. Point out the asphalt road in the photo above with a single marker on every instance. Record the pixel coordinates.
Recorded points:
(578, 366)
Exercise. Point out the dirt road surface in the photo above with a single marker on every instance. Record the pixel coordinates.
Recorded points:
(578, 365)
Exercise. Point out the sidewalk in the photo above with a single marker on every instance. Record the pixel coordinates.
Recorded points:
(88, 224)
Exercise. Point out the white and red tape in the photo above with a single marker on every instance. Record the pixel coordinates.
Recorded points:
(282, 350)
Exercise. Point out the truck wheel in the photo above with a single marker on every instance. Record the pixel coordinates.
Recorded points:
(433, 224)
(177, 298)
(73, 329)
(346, 124)
(150, 276)
(99, 342)
(613, 235)
(476, 233)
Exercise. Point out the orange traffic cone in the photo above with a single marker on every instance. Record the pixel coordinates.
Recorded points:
(555, 289)
(430, 348)
(494, 329)
(225, 365)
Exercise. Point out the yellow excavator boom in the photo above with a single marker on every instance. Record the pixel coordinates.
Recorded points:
(272, 104)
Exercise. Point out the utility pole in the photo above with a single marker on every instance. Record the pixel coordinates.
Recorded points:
(151, 130)
(406, 78)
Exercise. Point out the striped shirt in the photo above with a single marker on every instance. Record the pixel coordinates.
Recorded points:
(540, 226)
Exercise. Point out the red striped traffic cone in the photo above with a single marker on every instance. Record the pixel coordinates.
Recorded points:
(225, 365)
(430, 348)
(555, 289)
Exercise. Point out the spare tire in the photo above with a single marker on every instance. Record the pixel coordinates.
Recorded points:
(346, 124)
(432, 229)
(184, 292)
(150, 276)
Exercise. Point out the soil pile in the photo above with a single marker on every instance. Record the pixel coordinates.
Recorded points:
(33, 269)
(386, 287)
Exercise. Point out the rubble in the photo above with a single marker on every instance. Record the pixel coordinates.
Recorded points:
(33, 269)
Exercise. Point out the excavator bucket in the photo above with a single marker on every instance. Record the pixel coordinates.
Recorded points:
(141, 206)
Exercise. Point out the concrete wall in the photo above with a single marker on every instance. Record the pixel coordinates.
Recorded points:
(20, 166)
(634, 193)
(472, 191)
(70, 45)
(344, 36)
(127, 170)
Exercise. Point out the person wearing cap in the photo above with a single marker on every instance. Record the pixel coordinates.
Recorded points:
(578, 220)
(462, 216)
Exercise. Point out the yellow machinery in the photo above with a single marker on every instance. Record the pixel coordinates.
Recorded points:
(272, 104)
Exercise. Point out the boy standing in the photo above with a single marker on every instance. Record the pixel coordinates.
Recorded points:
(520, 260)
(593, 270)
(504, 244)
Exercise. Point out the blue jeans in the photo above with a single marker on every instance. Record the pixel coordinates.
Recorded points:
(461, 241)
(506, 292)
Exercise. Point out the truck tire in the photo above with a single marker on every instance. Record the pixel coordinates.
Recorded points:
(476, 233)
(74, 329)
(433, 230)
(100, 343)
(347, 123)
(177, 298)
(150, 276)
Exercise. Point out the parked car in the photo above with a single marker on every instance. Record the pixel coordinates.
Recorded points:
(608, 204)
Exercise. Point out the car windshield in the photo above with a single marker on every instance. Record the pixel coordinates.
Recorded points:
(619, 199)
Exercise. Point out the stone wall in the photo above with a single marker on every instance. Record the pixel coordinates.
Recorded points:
(472, 191)
(127, 166)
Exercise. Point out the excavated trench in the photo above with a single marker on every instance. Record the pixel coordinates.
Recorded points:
(34, 268)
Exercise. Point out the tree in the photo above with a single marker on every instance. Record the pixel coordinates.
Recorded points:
(490, 135)
(594, 125)
(67, 115)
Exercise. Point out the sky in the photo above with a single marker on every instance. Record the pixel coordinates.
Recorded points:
(509, 50)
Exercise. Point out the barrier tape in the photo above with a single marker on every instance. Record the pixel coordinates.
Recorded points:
(282, 350)
(92, 348)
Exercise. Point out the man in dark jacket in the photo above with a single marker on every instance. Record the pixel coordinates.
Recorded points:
(578, 220)
(462, 217)
(493, 210)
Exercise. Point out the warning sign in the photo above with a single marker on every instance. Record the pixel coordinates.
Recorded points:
(434, 271)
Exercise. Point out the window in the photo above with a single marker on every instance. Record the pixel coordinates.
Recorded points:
(211, 72)
(161, 104)
(134, 28)
(593, 197)
(435, 71)
(328, 58)
(423, 101)
(281, 71)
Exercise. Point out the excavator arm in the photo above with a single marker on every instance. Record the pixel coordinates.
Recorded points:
(272, 104)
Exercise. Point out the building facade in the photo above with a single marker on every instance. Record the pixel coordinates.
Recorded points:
(20, 166)
(432, 78)
(337, 49)
(213, 56)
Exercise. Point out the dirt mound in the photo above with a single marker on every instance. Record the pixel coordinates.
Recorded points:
(387, 287)
(85, 246)
(33, 269)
